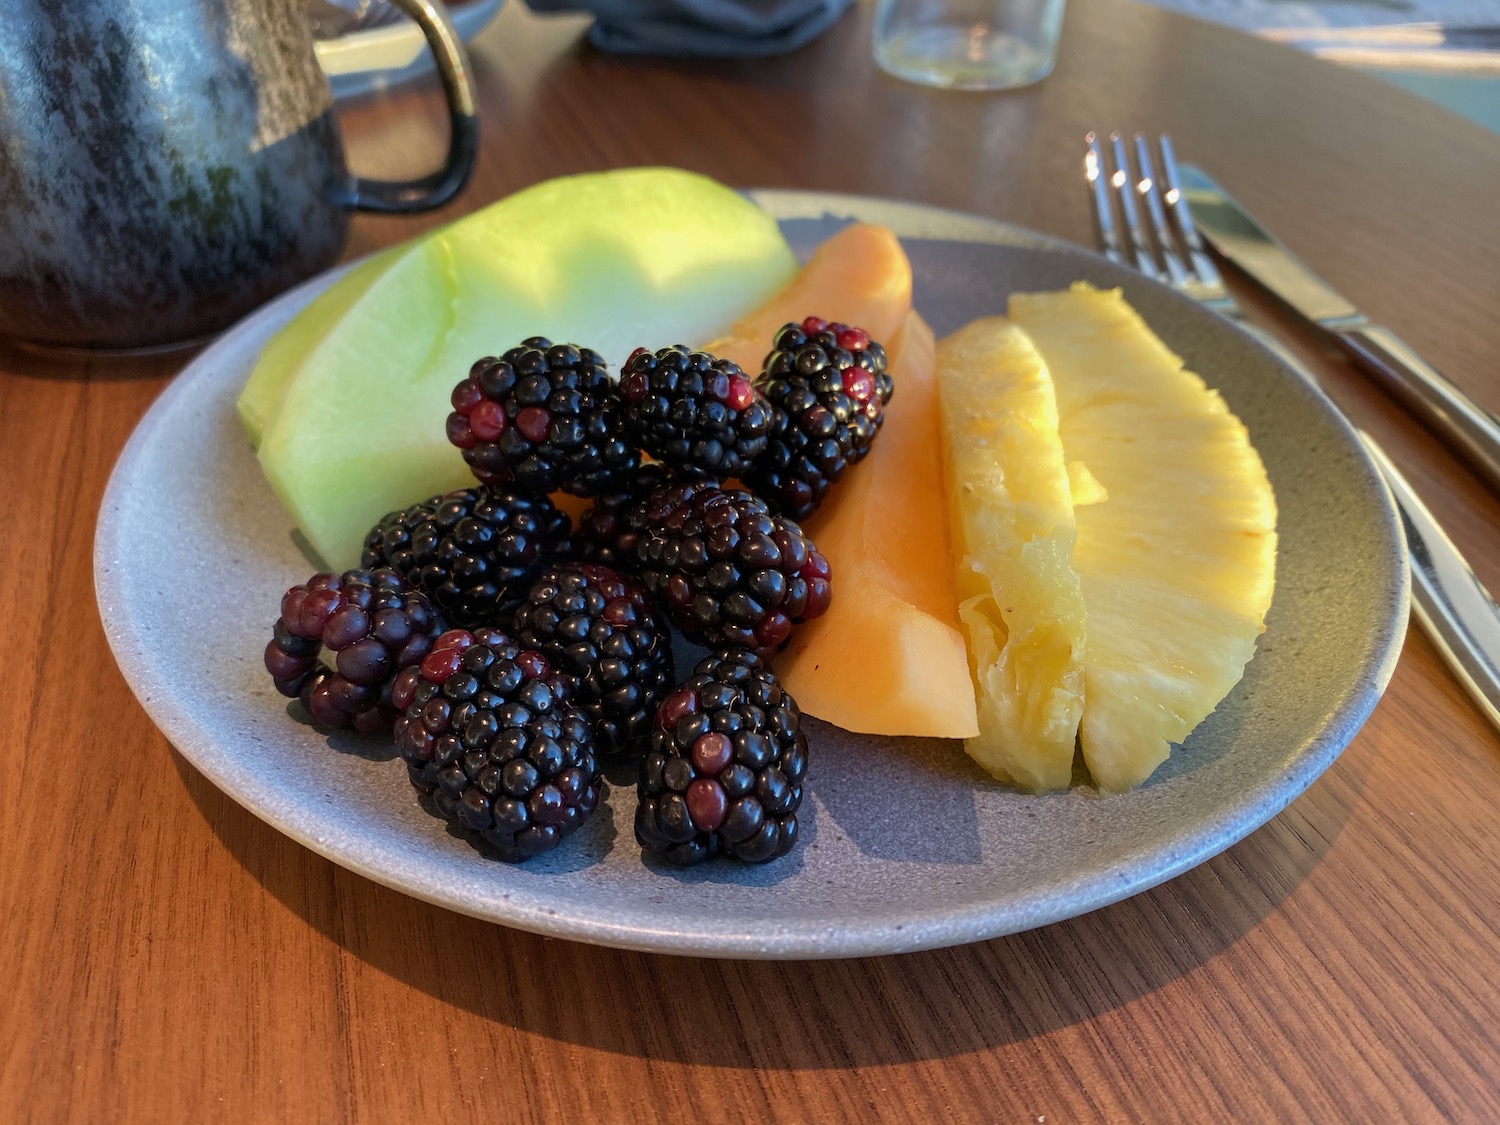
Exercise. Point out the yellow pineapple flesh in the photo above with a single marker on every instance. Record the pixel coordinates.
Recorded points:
(1178, 563)
(1012, 523)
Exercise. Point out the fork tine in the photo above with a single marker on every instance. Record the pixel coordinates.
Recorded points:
(1192, 272)
(1149, 188)
(1124, 193)
(1105, 232)
(1182, 218)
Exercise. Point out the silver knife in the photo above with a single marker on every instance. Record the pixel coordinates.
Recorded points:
(1456, 611)
(1466, 428)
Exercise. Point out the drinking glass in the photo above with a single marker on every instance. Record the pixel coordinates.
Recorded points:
(968, 44)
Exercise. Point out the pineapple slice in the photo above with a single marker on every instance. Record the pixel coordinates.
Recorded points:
(1179, 562)
(1011, 515)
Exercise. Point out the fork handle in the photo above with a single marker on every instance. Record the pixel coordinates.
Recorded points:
(1454, 609)
(1468, 430)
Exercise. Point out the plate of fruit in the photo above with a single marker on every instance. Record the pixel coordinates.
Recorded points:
(753, 574)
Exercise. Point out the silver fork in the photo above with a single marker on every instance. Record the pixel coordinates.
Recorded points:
(1189, 269)
(1450, 603)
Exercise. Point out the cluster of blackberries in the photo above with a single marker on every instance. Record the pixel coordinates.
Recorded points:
(547, 416)
(510, 651)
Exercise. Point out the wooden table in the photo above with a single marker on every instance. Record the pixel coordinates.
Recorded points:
(169, 958)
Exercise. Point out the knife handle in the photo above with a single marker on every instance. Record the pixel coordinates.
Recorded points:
(1454, 609)
(1468, 430)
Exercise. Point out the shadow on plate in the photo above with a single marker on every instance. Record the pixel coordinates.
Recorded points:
(855, 789)
(350, 742)
(809, 1014)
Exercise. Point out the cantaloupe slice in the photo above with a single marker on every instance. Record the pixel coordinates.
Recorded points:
(858, 276)
(909, 471)
(888, 657)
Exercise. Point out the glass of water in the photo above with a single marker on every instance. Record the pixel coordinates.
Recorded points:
(968, 44)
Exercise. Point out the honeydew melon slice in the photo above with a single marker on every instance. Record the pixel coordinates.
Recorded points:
(265, 390)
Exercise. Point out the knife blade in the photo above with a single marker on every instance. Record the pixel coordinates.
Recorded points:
(1466, 428)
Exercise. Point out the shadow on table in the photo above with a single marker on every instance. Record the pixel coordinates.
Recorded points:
(811, 1014)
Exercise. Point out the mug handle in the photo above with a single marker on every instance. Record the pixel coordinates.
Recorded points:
(404, 197)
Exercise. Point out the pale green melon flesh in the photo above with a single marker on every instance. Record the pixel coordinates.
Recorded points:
(261, 400)
(611, 261)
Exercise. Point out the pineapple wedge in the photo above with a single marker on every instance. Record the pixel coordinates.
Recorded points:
(1011, 514)
(1178, 564)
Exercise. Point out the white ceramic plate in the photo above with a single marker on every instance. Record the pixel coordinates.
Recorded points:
(906, 845)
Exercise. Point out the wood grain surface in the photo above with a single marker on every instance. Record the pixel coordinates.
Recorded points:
(169, 958)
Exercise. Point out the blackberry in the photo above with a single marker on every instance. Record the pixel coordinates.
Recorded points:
(545, 416)
(828, 386)
(488, 732)
(375, 626)
(725, 768)
(697, 413)
(730, 573)
(597, 628)
(666, 499)
(472, 552)
(615, 529)
(609, 529)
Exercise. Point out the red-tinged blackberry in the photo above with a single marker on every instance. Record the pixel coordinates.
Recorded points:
(828, 386)
(490, 734)
(609, 528)
(472, 552)
(598, 628)
(697, 413)
(545, 416)
(372, 623)
(725, 768)
(731, 573)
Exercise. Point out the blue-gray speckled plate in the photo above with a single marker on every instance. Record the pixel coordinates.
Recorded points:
(906, 845)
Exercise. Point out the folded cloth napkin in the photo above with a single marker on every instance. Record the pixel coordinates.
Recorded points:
(720, 29)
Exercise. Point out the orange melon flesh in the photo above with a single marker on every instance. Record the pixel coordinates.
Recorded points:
(888, 656)
(910, 468)
(575, 506)
(859, 276)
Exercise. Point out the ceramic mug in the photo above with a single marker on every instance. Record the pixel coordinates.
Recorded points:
(166, 167)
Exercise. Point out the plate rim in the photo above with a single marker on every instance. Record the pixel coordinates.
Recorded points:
(728, 937)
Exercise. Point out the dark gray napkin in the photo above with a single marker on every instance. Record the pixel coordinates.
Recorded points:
(720, 29)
